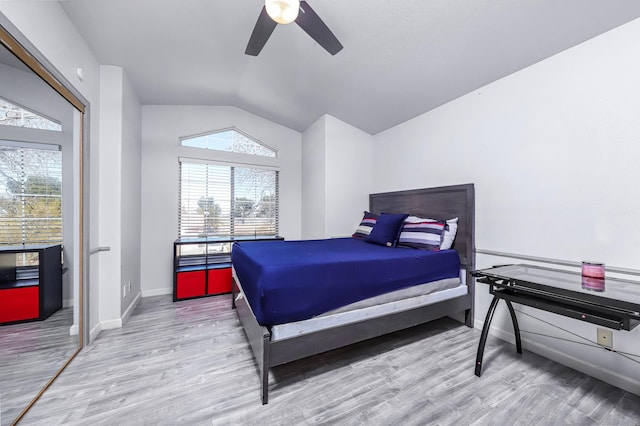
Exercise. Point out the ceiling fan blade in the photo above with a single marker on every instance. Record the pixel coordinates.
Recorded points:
(309, 21)
(261, 33)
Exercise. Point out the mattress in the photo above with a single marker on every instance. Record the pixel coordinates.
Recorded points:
(288, 281)
(355, 312)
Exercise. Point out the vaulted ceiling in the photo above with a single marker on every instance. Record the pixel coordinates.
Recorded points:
(401, 58)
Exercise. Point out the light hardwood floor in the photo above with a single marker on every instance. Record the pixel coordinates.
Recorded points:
(30, 354)
(189, 363)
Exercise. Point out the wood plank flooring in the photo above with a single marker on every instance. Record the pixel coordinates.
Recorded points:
(30, 354)
(189, 363)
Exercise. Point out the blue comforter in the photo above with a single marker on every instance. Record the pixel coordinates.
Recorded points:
(286, 281)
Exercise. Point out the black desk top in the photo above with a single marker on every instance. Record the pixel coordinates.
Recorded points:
(555, 283)
(25, 248)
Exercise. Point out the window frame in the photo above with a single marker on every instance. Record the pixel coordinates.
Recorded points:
(52, 237)
(230, 129)
(231, 217)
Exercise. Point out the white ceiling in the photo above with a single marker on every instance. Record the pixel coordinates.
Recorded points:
(401, 58)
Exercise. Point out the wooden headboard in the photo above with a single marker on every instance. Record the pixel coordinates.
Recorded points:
(445, 202)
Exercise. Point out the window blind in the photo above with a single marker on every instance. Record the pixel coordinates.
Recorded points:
(227, 200)
(30, 195)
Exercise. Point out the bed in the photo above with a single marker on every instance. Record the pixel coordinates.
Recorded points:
(279, 336)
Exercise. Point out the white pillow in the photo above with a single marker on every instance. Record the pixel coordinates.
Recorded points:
(448, 236)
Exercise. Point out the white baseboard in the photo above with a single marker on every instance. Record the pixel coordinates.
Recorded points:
(95, 331)
(115, 323)
(600, 372)
(67, 303)
(157, 292)
(131, 307)
(111, 324)
(73, 331)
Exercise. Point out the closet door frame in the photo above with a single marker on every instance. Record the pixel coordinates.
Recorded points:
(20, 46)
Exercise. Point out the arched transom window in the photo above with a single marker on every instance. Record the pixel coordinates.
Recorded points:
(229, 140)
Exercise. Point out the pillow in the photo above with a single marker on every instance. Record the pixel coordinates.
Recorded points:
(449, 232)
(387, 229)
(425, 234)
(366, 225)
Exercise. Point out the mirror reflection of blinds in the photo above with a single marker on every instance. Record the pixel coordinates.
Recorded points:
(30, 195)
(222, 200)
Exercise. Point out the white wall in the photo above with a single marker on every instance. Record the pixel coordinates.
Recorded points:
(130, 193)
(48, 28)
(314, 187)
(120, 133)
(337, 177)
(120, 201)
(349, 176)
(553, 152)
(110, 198)
(162, 126)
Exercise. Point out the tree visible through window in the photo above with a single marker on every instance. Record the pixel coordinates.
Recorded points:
(230, 140)
(13, 115)
(222, 200)
(30, 196)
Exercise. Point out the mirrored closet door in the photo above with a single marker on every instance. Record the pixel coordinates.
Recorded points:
(40, 231)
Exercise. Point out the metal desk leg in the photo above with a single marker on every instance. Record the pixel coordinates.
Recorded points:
(485, 332)
(516, 329)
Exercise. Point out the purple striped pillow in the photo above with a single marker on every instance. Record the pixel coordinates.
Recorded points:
(366, 225)
(425, 235)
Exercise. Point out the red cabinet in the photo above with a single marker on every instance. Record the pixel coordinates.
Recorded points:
(30, 283)
(202, 266)
(19, 304)
(219, 281)
(190, 284)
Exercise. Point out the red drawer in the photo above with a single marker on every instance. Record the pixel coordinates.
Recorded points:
(219, 281)
(17, 304)
(190, 284)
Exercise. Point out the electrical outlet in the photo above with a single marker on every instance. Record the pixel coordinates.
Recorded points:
(605, 337)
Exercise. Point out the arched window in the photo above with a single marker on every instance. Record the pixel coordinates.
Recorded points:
(14, 115)
(229, 140)
(223, 199)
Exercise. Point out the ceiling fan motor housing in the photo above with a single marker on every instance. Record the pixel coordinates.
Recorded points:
(282, 11)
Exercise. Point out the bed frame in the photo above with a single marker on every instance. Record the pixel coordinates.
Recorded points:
(439, 203)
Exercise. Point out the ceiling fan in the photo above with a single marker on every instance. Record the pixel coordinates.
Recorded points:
(276, 12)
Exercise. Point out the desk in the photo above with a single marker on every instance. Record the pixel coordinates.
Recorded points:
(607, 302)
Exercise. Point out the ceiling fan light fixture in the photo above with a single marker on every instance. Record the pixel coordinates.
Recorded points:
(282, 11)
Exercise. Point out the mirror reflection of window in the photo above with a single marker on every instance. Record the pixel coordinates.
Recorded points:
(39, 206)
(17, 116)
(30, 195)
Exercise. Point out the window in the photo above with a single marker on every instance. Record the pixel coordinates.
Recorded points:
(230, 140)
(13, 115)
(224, 200)
(30, 195)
